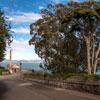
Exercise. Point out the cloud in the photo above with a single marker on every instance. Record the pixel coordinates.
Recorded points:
(22, 50)
(22, 17)
(10, 19)
(21, 42)
(41, 7)
(58, 1)
(21, 30)
(5, 8)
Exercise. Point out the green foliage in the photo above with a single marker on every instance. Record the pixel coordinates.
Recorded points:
(5, 36)
(57, 75)
(36, 74)
(2, 69)
(58, 36)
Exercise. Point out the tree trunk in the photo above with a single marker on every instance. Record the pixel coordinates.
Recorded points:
(93, 53)
(94, 70)
(88, 55)
(96, 60)
(87, 39)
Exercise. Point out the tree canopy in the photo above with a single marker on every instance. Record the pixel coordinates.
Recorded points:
(5, 36)
(67, 37)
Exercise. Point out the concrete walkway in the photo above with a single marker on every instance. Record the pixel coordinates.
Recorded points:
(13, 88)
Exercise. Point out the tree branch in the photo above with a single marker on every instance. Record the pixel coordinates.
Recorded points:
(98, 59)
(97, 52)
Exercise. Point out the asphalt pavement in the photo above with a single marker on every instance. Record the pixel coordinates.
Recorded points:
(14, 88)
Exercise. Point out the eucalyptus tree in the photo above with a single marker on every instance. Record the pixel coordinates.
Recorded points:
(85, 19)
(5, 36)
(67, 36)
(52, 43)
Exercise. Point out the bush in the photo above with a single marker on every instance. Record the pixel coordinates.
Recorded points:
(39, 74)
(2, 69)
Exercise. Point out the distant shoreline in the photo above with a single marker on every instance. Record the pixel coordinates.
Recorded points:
(23, 61)
(25, 65)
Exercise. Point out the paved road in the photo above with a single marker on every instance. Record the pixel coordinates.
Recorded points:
(12, 88)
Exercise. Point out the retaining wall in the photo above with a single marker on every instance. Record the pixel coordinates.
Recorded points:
(75, 83)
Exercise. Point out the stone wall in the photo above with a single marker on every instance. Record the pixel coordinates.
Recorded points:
(75, 83)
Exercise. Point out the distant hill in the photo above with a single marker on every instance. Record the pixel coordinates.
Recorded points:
(29, 61)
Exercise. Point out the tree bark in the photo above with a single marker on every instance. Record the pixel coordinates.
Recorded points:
(95, 65)
(96, 60)
(93, 53)
(87, 39)
(88, 56)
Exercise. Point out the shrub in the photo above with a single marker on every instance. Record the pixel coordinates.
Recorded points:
(62, 75)
(2, 69)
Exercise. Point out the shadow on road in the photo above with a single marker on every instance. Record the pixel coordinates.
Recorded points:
(3, 89)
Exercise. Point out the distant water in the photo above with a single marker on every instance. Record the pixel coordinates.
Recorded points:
(25, 65)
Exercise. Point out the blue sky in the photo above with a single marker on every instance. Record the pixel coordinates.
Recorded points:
(21, 14)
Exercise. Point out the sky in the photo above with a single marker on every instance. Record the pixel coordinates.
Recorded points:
(21, 14)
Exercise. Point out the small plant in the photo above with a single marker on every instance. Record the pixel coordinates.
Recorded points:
(40, 73)
(96, 76)
(4, 70)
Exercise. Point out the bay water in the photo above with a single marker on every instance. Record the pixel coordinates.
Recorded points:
(27, 65)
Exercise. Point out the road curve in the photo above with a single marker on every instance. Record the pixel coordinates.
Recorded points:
(13, 88)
